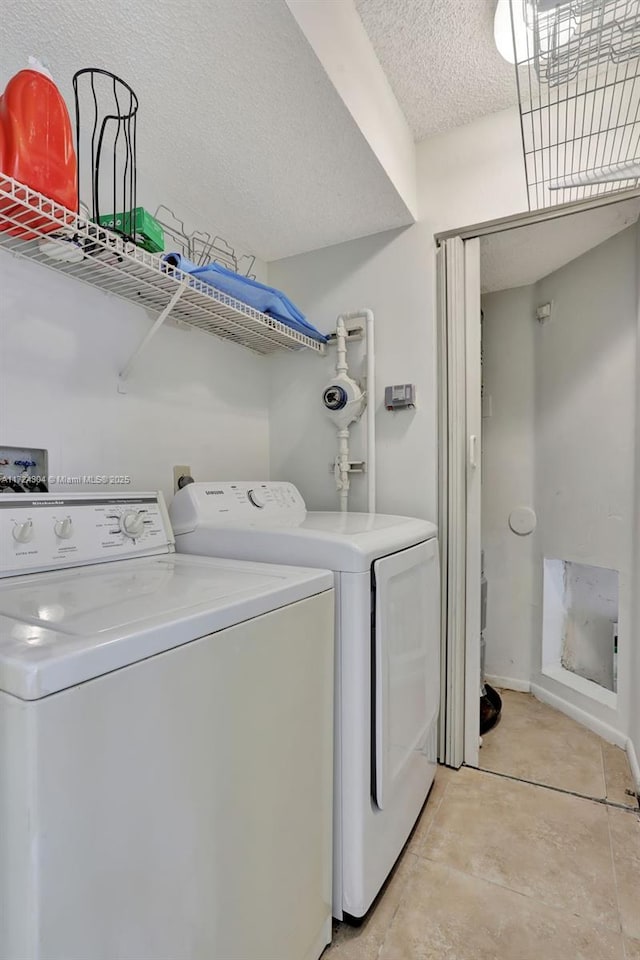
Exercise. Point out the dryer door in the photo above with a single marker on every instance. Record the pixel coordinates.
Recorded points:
(406, 651)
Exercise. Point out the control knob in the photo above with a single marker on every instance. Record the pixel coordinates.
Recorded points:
(132, 523)
(23, 532)
(256, 498)
(63, 529)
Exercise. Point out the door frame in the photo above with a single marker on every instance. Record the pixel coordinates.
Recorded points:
(459, 493)
(459, 458)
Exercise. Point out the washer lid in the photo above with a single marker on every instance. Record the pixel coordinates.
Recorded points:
(61, 628)
(346, 542)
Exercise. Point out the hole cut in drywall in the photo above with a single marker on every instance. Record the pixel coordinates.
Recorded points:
(580, 617)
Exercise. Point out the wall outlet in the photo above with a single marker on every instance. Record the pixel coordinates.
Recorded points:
(180, 471)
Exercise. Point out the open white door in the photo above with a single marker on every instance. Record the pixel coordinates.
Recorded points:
(460, 420)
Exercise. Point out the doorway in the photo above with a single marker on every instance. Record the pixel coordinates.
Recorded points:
(538, 342)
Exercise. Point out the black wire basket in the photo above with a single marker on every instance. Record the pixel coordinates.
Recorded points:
(106, 118)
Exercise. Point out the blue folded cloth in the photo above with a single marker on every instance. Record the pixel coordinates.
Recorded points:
(257, 295)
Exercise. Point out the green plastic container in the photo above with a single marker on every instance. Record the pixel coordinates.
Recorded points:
(139, 224)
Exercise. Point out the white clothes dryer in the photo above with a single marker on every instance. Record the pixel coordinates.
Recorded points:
(167, 742)
(387, 683)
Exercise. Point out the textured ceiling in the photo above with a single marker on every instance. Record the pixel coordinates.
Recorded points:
(441, 60)
(516, 258)
(240, 129)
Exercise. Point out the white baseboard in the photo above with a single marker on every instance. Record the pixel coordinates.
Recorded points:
(633, 762)
(509, 683)
(582, 686)
(602, 729)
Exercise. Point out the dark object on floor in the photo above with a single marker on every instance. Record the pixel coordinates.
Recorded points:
(490, 709)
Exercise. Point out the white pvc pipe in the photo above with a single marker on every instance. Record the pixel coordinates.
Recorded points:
(367, 316)
(371, 413)
(341, 344)
(342, 477)
(343, 466)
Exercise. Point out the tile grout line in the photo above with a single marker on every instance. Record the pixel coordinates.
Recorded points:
(411, 872)
(616, 886)
(615, 880)
(604, 772)
(571, 793)
(436, 809)
(435, 813)
(398, 905)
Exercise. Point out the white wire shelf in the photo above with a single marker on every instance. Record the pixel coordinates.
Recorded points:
(578, 79)
(37, 229)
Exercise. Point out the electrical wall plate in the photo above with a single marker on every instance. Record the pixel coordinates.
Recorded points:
(24, 467)
(544, 312)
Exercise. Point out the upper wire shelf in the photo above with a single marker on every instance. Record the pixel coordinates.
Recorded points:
(36, 228)
(202, 247)
(578, 78)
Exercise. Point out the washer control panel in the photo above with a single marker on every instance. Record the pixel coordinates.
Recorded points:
(241, 503)
(48, 531)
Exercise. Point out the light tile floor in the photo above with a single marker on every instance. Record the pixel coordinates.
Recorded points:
(532, 741)
(497, 869)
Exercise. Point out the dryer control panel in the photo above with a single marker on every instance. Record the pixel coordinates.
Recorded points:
(49, 531)
(237, 504)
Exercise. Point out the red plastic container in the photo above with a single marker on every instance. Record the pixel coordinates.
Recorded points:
(37, 149)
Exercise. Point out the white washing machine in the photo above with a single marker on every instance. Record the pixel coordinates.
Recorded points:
(387, 654)
(166, 727)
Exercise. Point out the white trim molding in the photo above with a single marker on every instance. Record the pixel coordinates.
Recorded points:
(633, 763)
(587, 688)
(473, 546)
(509, 683)
(599, 727)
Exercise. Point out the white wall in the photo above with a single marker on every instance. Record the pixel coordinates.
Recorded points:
(583, 362)
(634, 665)
(472, 173)
(465, 175)
(508, 465)
(585, 425)
(195, 399)
(192, 399)
(392, 273)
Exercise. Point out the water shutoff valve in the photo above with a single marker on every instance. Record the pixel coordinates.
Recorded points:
(343, 400)
(335, 397)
